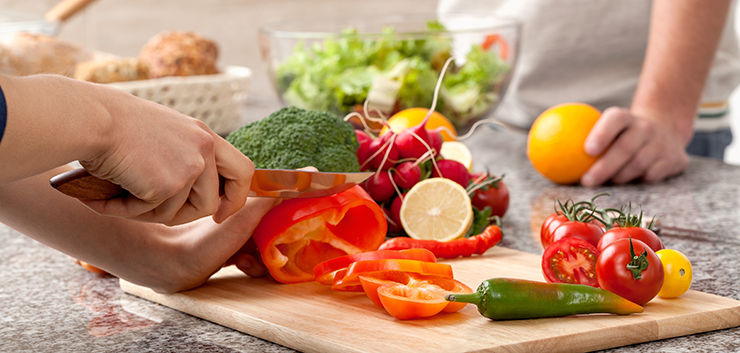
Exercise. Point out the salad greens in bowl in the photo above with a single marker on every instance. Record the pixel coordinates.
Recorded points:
(393, 63)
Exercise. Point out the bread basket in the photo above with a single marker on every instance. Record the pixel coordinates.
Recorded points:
(217, 100)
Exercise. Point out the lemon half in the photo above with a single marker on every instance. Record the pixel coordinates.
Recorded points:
(438, 209)
(457, 151)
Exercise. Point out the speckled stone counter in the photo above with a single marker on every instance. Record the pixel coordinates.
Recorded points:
(49, 304)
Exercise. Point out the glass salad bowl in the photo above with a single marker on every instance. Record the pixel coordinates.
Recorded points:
(387, 64)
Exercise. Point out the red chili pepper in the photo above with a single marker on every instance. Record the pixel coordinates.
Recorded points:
(298, 234)
(466, 247)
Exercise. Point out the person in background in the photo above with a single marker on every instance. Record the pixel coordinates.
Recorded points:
(661, 72)
(161, 236)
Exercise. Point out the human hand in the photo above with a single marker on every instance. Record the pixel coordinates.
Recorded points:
(248, 259)
(163, 258)
(170, 163)
(633, 148)
(208, 247)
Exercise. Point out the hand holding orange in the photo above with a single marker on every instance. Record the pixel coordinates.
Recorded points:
(555, 142)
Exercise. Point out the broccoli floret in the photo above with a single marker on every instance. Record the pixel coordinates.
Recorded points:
(292, 138)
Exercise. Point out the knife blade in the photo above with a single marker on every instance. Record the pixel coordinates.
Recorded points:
(283, 183)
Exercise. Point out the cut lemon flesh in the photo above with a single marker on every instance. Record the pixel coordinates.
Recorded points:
(437, 209)
(457, 151)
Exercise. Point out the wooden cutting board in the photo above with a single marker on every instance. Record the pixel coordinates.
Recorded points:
(312, 318)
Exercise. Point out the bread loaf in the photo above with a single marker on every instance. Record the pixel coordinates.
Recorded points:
(28, 54)
(111, 70)
(179, 53)
(171, 53)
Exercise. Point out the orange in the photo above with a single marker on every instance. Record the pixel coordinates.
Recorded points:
(555, 142)
(414, 116)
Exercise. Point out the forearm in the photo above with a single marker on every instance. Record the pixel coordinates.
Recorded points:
(684, 35)
(122, 247)
(166, 259)
(51, 121)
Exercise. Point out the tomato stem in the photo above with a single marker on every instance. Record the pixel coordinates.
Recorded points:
(582, 211)
(638, 263)
(486, 181)
(630, 220)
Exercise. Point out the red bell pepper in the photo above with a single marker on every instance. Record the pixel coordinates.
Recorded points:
(325, 271)
(348, 280)
(298, 234)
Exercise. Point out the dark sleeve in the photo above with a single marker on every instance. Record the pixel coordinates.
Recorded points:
(3, 114)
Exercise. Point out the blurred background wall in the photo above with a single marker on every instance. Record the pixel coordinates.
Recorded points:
(122, 27)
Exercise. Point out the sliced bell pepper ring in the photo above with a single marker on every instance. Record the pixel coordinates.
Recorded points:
(404, 302)
(372, 281)
(441, 285)
(325, 271)
(348, 280)
(296, 235)
(337, 285)
(492, 39)
(446, 286)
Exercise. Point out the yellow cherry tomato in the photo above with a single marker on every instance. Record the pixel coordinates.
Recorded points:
(677, 273)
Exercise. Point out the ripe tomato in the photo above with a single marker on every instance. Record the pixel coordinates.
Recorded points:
(589, 232)
(677, 271)
(551, 223)
(570, 260)
(613, 275)
(645, 235)
(496, 197)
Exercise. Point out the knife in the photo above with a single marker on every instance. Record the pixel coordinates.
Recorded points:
(284, 183)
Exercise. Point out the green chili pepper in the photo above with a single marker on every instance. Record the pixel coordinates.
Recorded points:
(507, 299)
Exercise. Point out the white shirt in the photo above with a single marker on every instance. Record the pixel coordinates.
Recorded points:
(592, 51)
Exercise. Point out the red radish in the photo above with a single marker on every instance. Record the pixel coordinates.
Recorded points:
(435, 140)
(396, 209)
(452, 170)
(394, 227)
(380, 187)
(379, 148)
(364, 151)
(409, 141)
(407, 175)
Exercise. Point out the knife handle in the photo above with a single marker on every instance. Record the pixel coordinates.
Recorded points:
(79, 184)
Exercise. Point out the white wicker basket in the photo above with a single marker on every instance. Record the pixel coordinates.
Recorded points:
(217, 100)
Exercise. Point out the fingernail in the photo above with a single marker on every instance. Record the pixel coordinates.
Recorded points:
(587, 180)
(591, 148)
(244, 264)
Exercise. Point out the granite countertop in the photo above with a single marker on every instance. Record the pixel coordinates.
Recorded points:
(51, 304)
